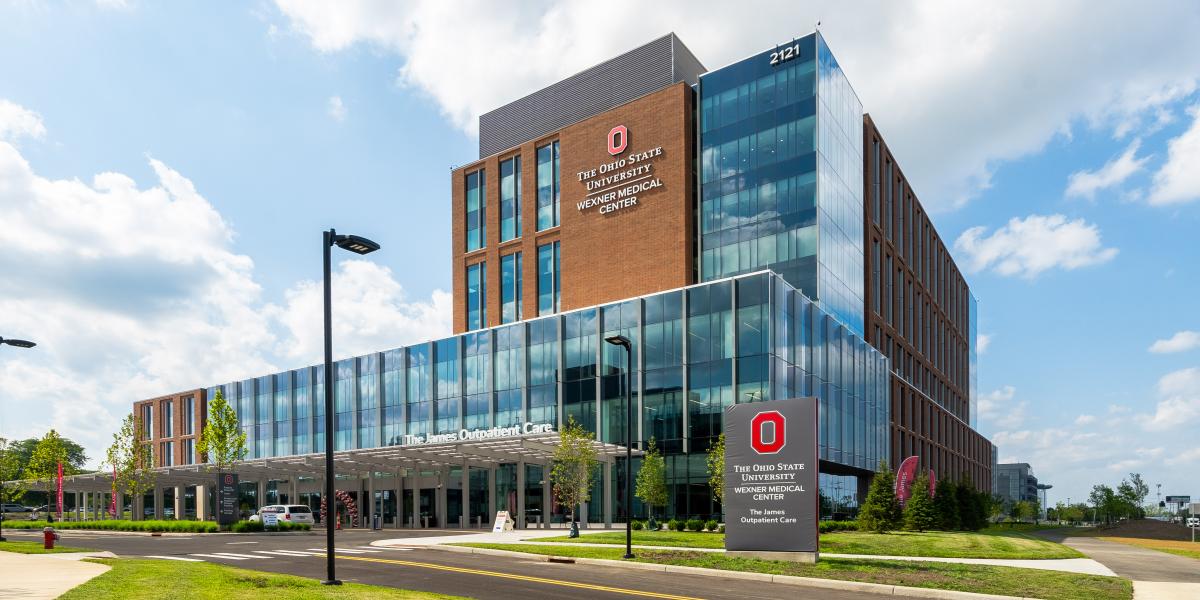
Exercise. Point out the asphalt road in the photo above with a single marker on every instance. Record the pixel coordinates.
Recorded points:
(1132, 562)
(470, 575)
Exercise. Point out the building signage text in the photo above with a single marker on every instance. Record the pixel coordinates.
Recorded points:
(619, 183)
(486, 433)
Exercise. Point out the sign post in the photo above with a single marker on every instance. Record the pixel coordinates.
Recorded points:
(227, 499)
(771, 480)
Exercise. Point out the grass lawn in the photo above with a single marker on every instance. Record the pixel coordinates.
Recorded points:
(1188, 549)
(1030, 583)
(36, 548)
(132, 578)
(997, 542)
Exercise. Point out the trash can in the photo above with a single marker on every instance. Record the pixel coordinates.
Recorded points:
(376, 522)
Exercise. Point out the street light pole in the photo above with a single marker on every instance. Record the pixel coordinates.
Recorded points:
(620, 340)
(357, 245)
(16, 344)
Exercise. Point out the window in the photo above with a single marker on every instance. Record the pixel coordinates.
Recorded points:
(168, 414)
(549, 282)
(167, 456)
(547, 186)
(510, 199)
(476, 296)
(510, 288)
(189, 452)
(148, 421)
(189, 415)
(476, 208)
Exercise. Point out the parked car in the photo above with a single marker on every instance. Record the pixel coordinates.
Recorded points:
(291, 513)
(14, 508)
(1193, 522)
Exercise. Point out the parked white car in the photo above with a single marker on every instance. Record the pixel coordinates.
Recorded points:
(287, 513)
(1193, 522)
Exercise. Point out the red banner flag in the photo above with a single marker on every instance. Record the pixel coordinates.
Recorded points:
(60, 503)
(932, 483)
(904, 478)
(112, 506)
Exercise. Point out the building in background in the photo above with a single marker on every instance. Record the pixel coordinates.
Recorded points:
(746, 228)
(1015, 482)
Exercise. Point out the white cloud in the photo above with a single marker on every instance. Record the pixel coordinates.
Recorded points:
(137, 291)
(997, 407)
(982, 342)
(1029, 246)
(1085, 184)
(1012, 75)
(1179, 404)
(1178, 180)
(1185, 457)
(1180, 342)
(337, 110)
(17, 121)
(1085, 419)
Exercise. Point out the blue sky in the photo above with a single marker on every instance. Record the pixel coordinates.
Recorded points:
(166, 168)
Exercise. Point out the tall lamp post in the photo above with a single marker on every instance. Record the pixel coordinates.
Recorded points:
(357, 245)
(18, 344)
(620, 340)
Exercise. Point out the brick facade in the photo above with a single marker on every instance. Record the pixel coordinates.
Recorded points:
(199, 418)
(640, 249)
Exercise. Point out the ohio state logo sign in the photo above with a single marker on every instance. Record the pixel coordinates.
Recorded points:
(618, 140)
(767, 432)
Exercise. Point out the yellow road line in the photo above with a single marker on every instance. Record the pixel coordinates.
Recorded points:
(573, 584)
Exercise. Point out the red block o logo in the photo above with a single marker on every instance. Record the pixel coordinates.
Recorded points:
(618, 140)
(759, 423)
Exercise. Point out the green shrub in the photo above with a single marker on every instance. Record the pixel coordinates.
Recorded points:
(121, 525)
(637, 525)
(710, 525)
(671, 525)
(695, 525)
(680, 525)
(247, 527)
(721, 528)
(832, 526)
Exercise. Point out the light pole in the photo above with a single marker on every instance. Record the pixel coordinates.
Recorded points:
(620, 340)
(357, 245)
(17, 344)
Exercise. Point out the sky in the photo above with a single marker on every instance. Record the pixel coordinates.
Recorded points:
(166, 170)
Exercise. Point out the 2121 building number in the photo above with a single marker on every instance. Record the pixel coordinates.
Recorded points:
(785, 54)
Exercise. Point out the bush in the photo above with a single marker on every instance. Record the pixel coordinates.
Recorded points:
(247, 527)
(695, 525)
(721, 529)
(286, 526)
(832, 526)
(120, 525)
(637, 525)
(672, 525)
(710, 525)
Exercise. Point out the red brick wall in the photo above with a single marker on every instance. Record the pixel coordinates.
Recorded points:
(199, 416)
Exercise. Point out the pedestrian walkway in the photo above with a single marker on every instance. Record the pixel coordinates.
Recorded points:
(38, 576)
(1156, 575)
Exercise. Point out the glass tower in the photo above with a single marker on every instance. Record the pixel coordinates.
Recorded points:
(781, 172)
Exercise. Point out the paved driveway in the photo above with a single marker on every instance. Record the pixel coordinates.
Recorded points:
(1156, 575)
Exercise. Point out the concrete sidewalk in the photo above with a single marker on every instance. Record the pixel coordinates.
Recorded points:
(1156, 575)
(39, 576)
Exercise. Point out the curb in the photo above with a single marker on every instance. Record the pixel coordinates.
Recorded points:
(810, 582)
(167, 533)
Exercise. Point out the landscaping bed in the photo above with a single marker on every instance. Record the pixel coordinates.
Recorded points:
(983, 579)
(155, 526)
(153, 579)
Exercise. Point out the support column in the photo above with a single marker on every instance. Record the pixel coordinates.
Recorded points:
(416, 509)
(260, 498)
(370, 503)
(179, 503)
(399, 521)
(466, 496)
(440, 497)
(491, 494)
(606, 491)
(119, 502)
(520, 508)
(293, 494)
(547, 499)
(137, 507)
(202, 502)
(158, 502)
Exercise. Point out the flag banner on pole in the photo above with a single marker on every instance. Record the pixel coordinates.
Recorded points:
(60, 498)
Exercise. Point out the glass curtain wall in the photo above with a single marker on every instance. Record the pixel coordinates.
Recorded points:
(510, 288)
(476, 198)
(510, 199)
(476, 296)
(547, 184)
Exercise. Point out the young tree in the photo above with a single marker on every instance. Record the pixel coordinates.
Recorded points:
(221, 441)
(652, 479)
(10, 470)
(716, 468)
(131, 457)
(1104, 502)
(571, 474)
(970, 508)
(880, 512)
(919, 513)
(945, 504)
(1133, 492)
(43, 463)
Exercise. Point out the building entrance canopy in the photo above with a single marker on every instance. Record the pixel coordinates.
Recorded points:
(537, 448)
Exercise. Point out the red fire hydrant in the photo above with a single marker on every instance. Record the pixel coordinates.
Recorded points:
(49, 538)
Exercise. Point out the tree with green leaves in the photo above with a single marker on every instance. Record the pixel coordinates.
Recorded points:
(971, 509)
(1133, 492)
(945, 504)
(10, 470)
(716, 468)
(43, 463)
(880, 512)
(222, 442)
(919, 512)
(652, 480)
(1104, 501)
(131, 457)
(574, 462)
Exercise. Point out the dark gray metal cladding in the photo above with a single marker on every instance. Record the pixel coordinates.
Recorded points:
(614, 82)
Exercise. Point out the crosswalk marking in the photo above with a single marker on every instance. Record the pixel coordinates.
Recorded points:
(346, 550)
(236, 555)
(287, 552)
(217, 556)
(183, 558)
